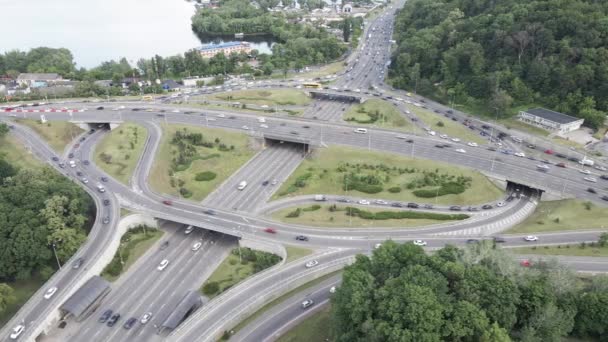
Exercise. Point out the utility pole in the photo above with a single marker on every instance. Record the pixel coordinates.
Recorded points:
(56, 257)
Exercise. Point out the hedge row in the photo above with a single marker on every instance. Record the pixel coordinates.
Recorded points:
(387, 215)
(205, 176)
(450, 188)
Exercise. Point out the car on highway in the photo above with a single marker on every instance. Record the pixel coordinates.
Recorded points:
(17, 331)
(486, 206)
(113, 320)
(498, 239)
(164, 245)
(332, 289)
(360, 130)
(85, 180)
(472, 144)
(413, 205)
(364, 202)
(455, 208)
(455, 139)
(519, 154)
(100, 108)
(188, 230)
(500, 204)
(590, 179)
(307, 303)
(381, 202)
(77, 263)
(270, 230)
(71, 155)
(246, 128)
(163, 264)
(105, 316)
(302, 238)
(106, 202)
(50, 292)
(419, 243)
(55, 158)
(167, 202)
(104, 179)
(473, 209)
(604, 177)
(601, 168)
(591, 190)
(86, 162)
(145, 318)
(130, 323)
(311, 263)
(209, 212)
(584, 171)
(460, 150)
(106, 220)
(471, 241)
(549, 152)
(197, 246)
(561, 165)
(265, 183)
(542, 167)
(531, 238)
(605, 198)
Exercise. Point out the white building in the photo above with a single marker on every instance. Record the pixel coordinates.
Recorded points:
(550, 120)
(37, 80)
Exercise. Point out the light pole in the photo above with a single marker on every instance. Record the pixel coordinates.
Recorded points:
(56, 257)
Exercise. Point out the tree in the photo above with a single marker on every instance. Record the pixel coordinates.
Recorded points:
(346, 28)
(603, 240)
(3, 130)
(495, 334)
(7, 296)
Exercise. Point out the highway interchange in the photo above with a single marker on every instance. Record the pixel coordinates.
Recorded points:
(236, 212)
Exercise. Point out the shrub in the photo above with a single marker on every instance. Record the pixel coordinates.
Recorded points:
(449, 188)
(211, 288)
(387, 215)
(440, 124)
(185, 192)
(394, 190)
(205, 176)
(312, 208)
(295, 213)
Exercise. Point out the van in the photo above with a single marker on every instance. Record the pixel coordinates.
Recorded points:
(320, 198)
(242, 185)
(361, 130)
(100, 188)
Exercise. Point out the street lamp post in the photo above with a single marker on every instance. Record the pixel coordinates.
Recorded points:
(56, 257)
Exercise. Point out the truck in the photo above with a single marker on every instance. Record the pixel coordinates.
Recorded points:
(320, 198)
(242, 185)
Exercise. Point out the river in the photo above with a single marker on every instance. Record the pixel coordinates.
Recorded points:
(100, 30)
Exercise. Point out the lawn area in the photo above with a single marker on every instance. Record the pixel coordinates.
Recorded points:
(317, 327)
(563, 215)
(134, 244)
(323, 217)
(174, 171)
(294, 253)
(326, 170)
(15, 152)
(451, 128)
(57, 133)
(378, 113)
(119, 151)
(568, 250)
(513, 123)
(24, 289)
(325, 70)
(269, 97)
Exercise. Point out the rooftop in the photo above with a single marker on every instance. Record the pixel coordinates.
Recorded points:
(80, 301)
(552, 116)
(222, 45)
(36, 77)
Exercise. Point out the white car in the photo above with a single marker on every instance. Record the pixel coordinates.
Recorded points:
(146, 318)
(263, 106)
(531, 238)
(519, 154)
(175, 111)
(472, 144)
(400, 137)
(379, 201)
(419, 243)
(189, 230)
(432, 133)
(455, 139)
(85, 180)
(263, 126)
(332, 289)
(443, 136)
(163, 264)
(378, 245)
(17, 331)
(500, 204)
(197, 246)
(307, 303)
(221, 115)
(542, 167)
(460, 150)
(311, 263)
(587, 172)
(601, 168)
(245, 128)
(50, 292)
(590, 179)
(364, 202)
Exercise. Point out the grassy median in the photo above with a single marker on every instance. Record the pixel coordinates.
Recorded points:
(12, 150)
(378, 113)
(563, 215)
(317, 327)
(192, 161)
(443, 125)
(268, 97)
(119, 151)
(341, 170)
(590, 250)
(58, 134)
(23, 290)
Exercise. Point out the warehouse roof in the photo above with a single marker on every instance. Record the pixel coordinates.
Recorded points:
(552, 116)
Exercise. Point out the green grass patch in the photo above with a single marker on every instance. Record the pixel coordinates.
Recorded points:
(269, 97)
(567, 214)
(239, 265)
(13, 151)
(377, 113)
(294, 253)
(590, 250)
(56, 133)
(133, 245)
(317, 327)
(23, 290)
(329, 170)
(513, 123)
(177, 163)
(119, 151)
(451, 128)
(124, 212)
(333, 216)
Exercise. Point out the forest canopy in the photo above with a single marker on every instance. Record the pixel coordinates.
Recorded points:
(498, 54)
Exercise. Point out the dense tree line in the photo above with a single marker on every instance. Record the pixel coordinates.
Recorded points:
(38, 60)
(498, 54)
(38, 208)
(475, 294)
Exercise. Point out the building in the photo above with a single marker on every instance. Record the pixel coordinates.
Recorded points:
(210, 50)
(38, 80)
(550, 120)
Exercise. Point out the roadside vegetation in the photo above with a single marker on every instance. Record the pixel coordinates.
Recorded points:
(192, 161)
(559, 215)
(58, 134)
(443, 125)
(294, 253)
(317, 327)
(593, 249)
(349, 216)
(13, 151)
(133, 244)
(238, 266)
(269, 97)
(379, 113)
(120, 150)
(355, 172)
(478, 293)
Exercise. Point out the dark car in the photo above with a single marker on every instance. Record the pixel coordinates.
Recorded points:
(559, 155)
(449, 111)
(604, 177)
(83, 139)
(485, 126)
(486, 206)
(533, 147)
(264, 183)
(499, 239)
(342, 200)
(305, 126)
(100, 108)
(86, 162)
(104, 179)
(591, 190)
(130, 323)
(106, 220)
(410, 140)
(164, 245)
(77, 263)
(78, 173)
(209, 212)
(106, 202)
(302, 238)
(232, 117)
(560, 165)
(439, 145)
(605, 198)
(428, 206)
(55, 158)
(472, 241)
(396, 205)
(91, 131)
(473, 209)
(491, 149)
(71, 155)
(413, 205)
(455, 208)
(113, 320)
(454, 119)
(104, 317)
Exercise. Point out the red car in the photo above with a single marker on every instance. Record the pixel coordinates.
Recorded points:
(561, 165)
(270, 230)
(525, 263)
(167, 202)
(549, 151)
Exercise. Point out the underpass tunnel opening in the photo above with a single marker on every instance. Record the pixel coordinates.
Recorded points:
(303, 146)
(517, 190)
(100, 126)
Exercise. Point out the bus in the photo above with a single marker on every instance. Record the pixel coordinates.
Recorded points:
(312, 85)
